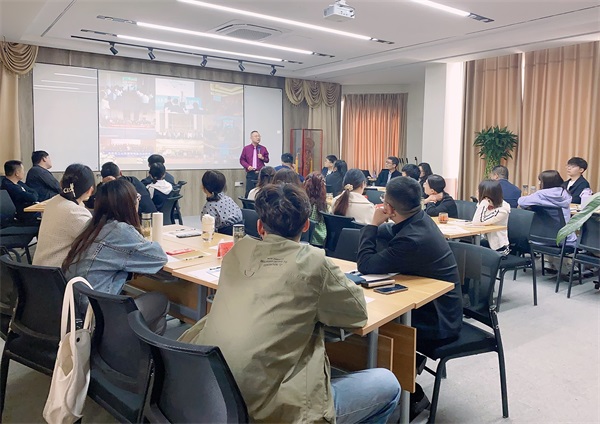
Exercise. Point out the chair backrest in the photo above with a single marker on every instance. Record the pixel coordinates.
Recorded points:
(374, 196)
(192, 383)
(7, 295)
(589, 239)
(334, 225)
(7, 209)
(307, 235)
(465, 209)
(477, 269)
(519, 228)
(120, 366)
(547, 221)
(247, 203)
(250, 218)
(38, 305)
(347, 246)
(167, 209)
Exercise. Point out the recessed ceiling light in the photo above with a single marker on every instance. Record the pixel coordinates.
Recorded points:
(443, 7)
(280, 20)
(203, 49)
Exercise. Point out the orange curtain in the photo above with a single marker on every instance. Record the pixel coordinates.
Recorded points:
(492, 97)
(561, 111)
(373, 128)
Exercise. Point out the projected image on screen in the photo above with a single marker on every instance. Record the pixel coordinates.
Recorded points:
(193, 124)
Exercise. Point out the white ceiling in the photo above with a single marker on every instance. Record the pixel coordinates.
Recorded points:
(420, 34)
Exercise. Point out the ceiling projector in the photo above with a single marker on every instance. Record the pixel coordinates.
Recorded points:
(338, 11)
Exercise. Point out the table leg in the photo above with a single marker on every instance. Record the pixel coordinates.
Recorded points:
(405, 396)
(372, 339)
(477, 240)
(202, 294)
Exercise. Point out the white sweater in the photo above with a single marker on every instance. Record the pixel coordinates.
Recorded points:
(359, 208)
(62, 221)
(497, 216)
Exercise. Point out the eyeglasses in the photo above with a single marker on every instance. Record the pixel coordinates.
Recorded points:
(138, 197)
(382, 197)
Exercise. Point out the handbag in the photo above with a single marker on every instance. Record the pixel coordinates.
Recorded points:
(71, 375)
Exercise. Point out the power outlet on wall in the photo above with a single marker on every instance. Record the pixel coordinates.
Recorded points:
(239, 183)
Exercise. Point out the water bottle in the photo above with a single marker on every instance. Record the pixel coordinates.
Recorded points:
(147, 226)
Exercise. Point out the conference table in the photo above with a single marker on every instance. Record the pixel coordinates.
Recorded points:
(459, 228)
(36, 207)
(388, 313)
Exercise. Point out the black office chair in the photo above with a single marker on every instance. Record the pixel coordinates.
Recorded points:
(176, 214)
(250, 218)
(227, 230)
(307, 235)
(519, 228)
(465, 209)
(14, 235)
(587, 251)
(168, 210)
(547, 221)
(8, 296)
(334, 224)
(120, 367)
(477, 267)
(192, 384)
(374, 196)
(247, 203)
(347, 245)
(34, 332)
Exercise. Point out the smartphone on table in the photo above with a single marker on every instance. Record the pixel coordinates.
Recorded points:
(391, 289)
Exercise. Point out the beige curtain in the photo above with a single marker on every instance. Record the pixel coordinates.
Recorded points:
(324, 107)
(16, 59)
(561, 111)
(373, 129)
(492, 97)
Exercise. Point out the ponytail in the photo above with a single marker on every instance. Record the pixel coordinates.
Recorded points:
(342, 203)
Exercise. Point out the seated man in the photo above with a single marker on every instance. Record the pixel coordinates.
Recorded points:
(152, 159)
(576, 183)
(287, 161)
(437, 199)
(510, 192)
(416, 247)
(275, 295)
(20, 194)
(390, 171)
(40, 179)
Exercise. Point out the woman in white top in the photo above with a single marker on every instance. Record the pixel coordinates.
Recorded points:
(493, 210)
(265, 176)
(352, 202)
(64, 216)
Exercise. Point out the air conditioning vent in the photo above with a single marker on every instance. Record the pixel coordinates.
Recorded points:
(247, 31)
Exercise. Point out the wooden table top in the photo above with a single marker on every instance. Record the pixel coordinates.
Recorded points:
(457, 228)
(37, 207)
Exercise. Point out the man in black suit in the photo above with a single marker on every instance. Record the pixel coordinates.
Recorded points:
(510, 192)
(40, 179)
(390, 171)
(20, 194)
(576, 183)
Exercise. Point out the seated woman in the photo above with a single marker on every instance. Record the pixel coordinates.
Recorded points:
(265, 176)
(315, 189)
(493, 210)
(551, 193)
(437, 199)
(218, 205)
(112, 245)
(65, 216)
(286, 176)
(159, 188)
(426, 171)
(352, 202)
(336, 178)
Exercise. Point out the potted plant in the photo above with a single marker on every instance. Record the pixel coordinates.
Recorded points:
(577, 221)
(495, 144)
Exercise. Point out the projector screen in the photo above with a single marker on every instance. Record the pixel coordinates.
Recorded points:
(126, 117)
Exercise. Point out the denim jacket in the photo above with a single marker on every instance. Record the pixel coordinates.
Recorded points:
(117, 250)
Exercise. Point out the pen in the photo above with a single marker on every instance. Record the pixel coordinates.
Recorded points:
(193, 257)
(214, 268)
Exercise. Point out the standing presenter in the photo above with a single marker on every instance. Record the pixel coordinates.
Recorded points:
(253, 158)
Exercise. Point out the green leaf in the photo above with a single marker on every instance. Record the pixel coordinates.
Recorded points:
(577, 221)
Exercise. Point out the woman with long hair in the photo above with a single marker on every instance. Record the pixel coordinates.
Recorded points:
(265, 176)
(65, 216)
(219, 205)
(315, 189)
(493, 210)
(111, 246)
(426, 171)
(352, 202)
(336, 178)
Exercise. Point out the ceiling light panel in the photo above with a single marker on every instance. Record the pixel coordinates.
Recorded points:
(442, 7)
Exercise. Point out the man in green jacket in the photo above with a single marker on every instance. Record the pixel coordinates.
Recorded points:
(275, 295)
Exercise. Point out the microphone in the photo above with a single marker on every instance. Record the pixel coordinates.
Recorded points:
(257, 149)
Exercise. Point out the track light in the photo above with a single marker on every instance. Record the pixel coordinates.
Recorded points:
(241, 66)
(151, 54)
(273, 71)
(204, 61)
(112, 49)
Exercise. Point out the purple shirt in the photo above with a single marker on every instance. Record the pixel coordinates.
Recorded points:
(248, 154)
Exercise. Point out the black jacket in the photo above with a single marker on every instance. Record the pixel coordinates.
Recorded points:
(382, 178)
(417, 247)
(43, 182)
(447, 204)
(335, 180)
(146, 203)
(21, 196)
(577, 188)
